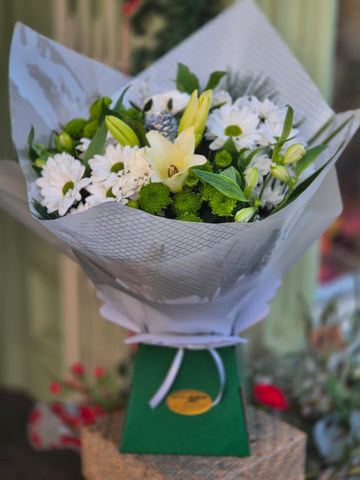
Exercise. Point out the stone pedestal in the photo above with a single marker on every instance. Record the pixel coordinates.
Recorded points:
(277, 453)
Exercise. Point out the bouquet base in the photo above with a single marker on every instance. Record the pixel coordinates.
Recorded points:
(185, 422)
(278, 451)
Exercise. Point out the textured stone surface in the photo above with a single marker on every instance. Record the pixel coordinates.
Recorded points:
(278, 452)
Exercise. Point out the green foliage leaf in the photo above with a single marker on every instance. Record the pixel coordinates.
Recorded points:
(305, 184)
(148, 105)
(308, 158)
(288, 123)
(214, 79)
(229, 146)
(224, 184)
(42, 213)
(31, 136)
(97, 144)
(233, 174)
(119, 103)
(185, 80)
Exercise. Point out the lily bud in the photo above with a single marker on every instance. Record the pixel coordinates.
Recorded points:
(251, 176)
(202, 115)
(281, 173)
(294, 153)
(124, 134)
(189, 116)
(63, 142)
(245, 214)
(196, 114)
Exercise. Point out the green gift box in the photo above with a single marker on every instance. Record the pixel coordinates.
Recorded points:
(176, 425)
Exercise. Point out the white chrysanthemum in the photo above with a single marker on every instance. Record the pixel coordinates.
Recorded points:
(83, 145)
(262, 162)
(160, 103)
(137, 173)
(273, 194)
(99, 193)
(123, 170)
(220, 97)
(271, 132)
(231, 121)
(105, 168)
(61, 183)
(242, 102)
(267, 110)
(82, 207)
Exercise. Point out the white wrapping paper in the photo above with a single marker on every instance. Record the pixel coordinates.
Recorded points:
(176, 282)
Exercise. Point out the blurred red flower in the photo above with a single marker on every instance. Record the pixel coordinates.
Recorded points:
(129, 7)
(55, 388)
(34, 416)
(99, 372)
(78, 369)
(270, 396)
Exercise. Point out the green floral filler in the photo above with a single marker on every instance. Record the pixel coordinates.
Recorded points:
(221, 204)
(223, 159)
(195, 153)
(154, 197)
(186, 202)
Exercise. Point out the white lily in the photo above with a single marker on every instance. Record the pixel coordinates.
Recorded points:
(171, 161)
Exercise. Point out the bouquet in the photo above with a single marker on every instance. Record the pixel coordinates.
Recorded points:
(184, 208)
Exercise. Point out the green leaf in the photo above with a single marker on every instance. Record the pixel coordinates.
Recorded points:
(252, 154)
(287, 124)
(233, 174)
(185, 80)
(224, 184)
(148, 105)
(214, 80)
(97, 144)
(285, 132)
(31, 136)
(119, 103)
(308, 158)
(305, 184)
(229, 146)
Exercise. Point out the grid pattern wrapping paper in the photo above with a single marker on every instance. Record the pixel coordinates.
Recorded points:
(168, 280)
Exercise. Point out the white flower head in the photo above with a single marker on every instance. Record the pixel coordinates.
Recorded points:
(82, 207)
(99, 193)
(137, 173)
(267, 110)
(273, 195)
(105, 168)
(262, 162)
(120, 172)
(177, 101)
(230, 121)
(61, 182)
(220, 97)
(271, 133)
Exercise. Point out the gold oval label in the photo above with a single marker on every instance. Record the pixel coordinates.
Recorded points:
(189, 402)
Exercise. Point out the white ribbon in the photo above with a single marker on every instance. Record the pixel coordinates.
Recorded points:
(174, 370)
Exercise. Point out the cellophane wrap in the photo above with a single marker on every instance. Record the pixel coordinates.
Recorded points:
(175, 282)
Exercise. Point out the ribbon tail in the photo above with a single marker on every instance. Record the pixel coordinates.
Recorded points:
(221, 370)
(169, 379)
